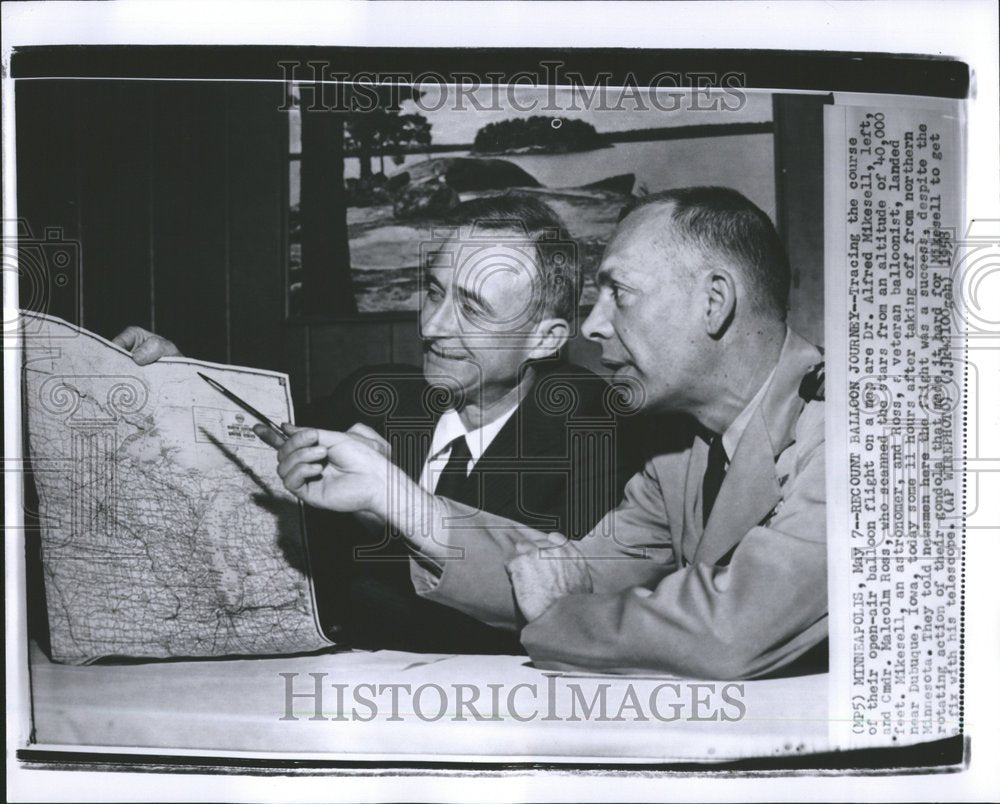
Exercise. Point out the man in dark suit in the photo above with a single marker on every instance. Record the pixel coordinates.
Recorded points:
(494, 419)
(557, 463)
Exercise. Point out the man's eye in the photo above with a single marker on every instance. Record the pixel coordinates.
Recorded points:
(433, 292)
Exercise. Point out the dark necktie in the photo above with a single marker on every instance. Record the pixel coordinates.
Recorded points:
(455, 472)
(715, 471)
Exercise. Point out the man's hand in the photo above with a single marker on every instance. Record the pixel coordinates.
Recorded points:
(146, 347)
(374, 440)
(543, 572)
(339, 471)
(352, 472)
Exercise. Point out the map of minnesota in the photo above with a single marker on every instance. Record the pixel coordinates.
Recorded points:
(165, 530)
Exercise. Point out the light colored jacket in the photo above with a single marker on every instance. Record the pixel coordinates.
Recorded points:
(739, 597)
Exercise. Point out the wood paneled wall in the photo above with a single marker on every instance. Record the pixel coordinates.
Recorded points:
(798, 167)
(176, 195)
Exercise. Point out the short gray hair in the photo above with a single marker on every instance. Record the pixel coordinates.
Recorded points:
(558, 261)
(723, 221)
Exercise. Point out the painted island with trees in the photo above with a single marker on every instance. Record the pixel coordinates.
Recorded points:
(538, 134)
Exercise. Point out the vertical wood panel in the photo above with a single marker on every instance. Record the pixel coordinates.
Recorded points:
(296, 364)
(115, 204)
(190, 292)
(47, 202)
(406, 344)
(258, 205)
(326, 259)
(798, 164)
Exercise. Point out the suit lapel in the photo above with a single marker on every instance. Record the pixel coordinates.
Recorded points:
(751, 489)
(496, 474)
(528, 437)
(692, 528)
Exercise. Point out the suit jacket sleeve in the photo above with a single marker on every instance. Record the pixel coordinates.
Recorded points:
(629, 546)
(761, 611)
(632, 545)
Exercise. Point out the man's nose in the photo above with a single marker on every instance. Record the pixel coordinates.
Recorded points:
(437, 319)
(597, 326)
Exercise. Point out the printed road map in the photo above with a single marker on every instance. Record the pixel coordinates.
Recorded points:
(165, 530)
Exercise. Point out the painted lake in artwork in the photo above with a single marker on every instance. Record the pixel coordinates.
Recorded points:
(385, 252)
(393, 211)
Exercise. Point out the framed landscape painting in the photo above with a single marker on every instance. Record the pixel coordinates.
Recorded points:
(585, 151)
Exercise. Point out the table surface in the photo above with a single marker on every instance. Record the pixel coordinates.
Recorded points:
(239, 705)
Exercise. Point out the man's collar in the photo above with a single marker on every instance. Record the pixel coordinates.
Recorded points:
(731, 437)
(751, 487)
(450, 427)
(775, 399)
(782, 403)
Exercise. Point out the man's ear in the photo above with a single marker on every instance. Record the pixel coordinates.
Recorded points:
(551, 335)
(721, 301)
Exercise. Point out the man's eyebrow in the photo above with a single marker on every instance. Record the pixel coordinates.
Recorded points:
(608, 276)
(604, 277)
(427, 275)
(471, 295)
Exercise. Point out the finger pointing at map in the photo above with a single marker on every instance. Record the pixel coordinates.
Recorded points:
(338, 471)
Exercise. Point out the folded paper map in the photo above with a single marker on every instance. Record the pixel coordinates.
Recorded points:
(165, 530)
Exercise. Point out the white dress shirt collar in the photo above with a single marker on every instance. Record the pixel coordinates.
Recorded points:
(448, 428)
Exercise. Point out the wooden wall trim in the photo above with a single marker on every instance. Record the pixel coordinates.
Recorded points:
(798, 165)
